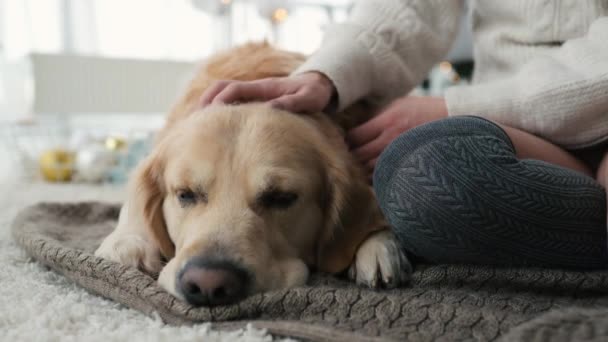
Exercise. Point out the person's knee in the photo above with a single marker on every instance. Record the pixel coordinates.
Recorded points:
(415, 144)
(454, 191)
(412, 178)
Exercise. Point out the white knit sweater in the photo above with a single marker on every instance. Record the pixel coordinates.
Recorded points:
(540, 65)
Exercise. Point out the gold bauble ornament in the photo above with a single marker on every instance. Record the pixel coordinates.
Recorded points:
(57, 165)
(115, 143)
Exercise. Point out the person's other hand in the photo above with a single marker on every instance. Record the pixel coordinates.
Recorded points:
(303, 93)
(368, 140)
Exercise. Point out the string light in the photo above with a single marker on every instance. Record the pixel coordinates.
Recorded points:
(448, 70)
(445, 67)
(280, 14)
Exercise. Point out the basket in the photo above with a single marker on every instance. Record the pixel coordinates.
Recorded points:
(22, 144)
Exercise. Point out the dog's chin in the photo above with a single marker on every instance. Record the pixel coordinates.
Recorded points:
(280, 275)
(288, 273)
(295, 273)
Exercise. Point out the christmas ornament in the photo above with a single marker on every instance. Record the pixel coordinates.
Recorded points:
(57, 165)
(94, 162)
(135, 151)
(115, 143)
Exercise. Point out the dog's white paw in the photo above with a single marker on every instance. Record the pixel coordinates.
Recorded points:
(131, 250)
(380, 262)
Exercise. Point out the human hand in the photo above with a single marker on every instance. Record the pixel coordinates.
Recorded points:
(303, 93)
(368, 140)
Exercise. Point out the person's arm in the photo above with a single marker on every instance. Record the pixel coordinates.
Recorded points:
(381, 52)
(562, 97)
(385, 48)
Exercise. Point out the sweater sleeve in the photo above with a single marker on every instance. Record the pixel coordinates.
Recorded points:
(385, 48)
(562, 96)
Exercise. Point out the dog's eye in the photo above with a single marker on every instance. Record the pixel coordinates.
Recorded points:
(278, 199)
(186, 197)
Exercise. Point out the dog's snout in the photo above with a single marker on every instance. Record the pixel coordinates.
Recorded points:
(212, 283)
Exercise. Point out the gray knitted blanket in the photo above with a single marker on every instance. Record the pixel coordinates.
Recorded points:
(449, 303)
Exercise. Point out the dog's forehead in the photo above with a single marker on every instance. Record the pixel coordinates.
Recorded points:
(250, 129)
(266, 144)
(250, 120)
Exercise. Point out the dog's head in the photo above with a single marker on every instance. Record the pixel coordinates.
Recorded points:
(242, 199)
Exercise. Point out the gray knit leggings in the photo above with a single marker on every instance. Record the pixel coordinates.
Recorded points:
(454, 192)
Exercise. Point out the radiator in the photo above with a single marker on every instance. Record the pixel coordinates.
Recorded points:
(72, 84)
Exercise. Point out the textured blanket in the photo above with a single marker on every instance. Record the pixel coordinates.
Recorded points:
(443, 302)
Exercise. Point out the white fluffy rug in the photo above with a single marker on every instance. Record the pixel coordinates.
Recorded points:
(38, 305)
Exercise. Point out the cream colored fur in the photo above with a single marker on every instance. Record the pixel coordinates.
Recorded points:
(236, 164)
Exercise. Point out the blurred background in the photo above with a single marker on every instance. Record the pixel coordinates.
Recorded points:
(85, 83)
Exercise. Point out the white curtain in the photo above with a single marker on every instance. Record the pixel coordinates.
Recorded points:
(155, 29)
(116, 28)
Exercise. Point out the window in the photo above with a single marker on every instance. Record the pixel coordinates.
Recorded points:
(19, 36)
(167, 29)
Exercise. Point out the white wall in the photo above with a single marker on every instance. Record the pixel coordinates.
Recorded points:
(1, 23)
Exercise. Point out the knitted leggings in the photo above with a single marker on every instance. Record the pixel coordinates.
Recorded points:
(454, 192)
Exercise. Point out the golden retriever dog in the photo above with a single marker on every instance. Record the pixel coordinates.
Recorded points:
(238, 199)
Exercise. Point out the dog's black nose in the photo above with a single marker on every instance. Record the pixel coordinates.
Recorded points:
(207, 282)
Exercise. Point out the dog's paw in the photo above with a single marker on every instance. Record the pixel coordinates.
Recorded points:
(131, 250)
(380, 262)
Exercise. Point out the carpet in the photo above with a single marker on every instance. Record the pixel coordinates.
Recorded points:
(37, 304)
(449, 303)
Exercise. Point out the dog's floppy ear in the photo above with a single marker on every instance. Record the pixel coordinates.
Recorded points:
(145, 212)
(352, 214)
